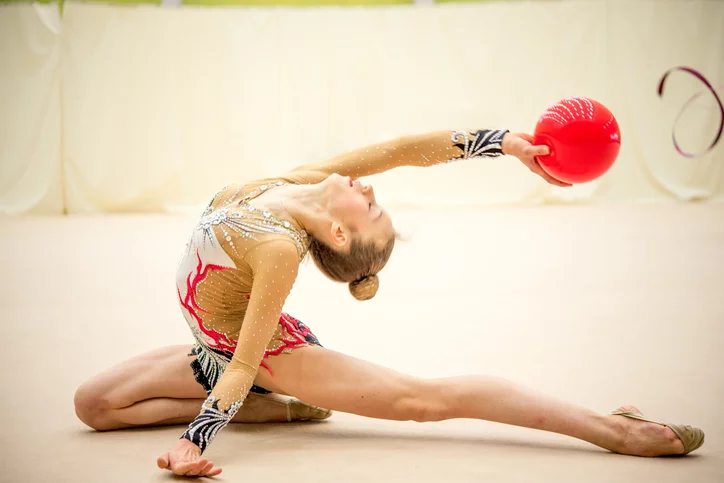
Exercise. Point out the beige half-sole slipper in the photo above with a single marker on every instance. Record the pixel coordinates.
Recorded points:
(692, 438)
(297, 410)
(305, 412)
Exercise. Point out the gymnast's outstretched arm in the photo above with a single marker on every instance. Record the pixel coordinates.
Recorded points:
(427, 149)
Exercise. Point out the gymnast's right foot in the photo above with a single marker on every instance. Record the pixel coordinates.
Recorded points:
(641, 438)
(275, 408)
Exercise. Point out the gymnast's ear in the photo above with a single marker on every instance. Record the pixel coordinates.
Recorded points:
(339, 235)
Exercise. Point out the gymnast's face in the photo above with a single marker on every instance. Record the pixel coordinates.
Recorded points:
(355, 210)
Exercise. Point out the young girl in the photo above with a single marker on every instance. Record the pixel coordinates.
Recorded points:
(238, 269)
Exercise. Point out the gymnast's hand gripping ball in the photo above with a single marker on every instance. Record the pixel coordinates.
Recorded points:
(583, 138)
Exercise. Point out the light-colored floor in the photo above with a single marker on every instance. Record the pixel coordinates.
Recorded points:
(603, 306)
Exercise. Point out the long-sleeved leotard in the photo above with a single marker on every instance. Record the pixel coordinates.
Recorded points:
(241, 263)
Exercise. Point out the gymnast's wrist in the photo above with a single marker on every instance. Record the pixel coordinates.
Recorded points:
(187, 444)
(506, 143)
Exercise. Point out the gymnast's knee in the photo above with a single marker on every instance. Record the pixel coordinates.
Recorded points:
(91, 407)
(423, 403)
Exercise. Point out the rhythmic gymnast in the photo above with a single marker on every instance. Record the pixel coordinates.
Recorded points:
(252, 362)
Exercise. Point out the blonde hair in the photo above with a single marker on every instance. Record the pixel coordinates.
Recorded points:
(358, 266)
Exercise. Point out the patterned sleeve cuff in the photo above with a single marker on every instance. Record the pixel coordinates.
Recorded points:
(203, 429)
(484, 143)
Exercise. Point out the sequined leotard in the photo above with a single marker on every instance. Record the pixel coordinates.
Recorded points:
(241, 263)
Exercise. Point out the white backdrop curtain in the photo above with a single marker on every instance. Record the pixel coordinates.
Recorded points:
(30, 113)
(163, 106)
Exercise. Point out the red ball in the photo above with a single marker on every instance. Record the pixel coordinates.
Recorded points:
(583, 137)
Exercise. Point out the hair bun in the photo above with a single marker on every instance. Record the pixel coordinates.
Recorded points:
(364, 288)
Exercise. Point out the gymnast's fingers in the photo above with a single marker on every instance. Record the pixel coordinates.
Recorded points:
(214, 472)
(197, 467)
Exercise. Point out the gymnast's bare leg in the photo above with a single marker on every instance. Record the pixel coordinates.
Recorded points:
(333, 380)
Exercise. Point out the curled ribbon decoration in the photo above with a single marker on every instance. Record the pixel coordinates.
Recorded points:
(713, 92)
